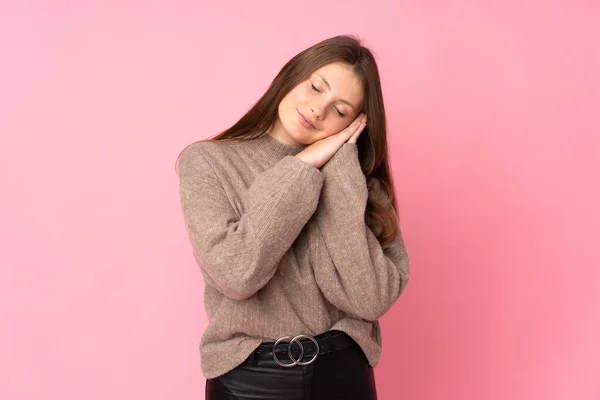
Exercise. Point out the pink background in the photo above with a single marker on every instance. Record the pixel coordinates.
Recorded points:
(494, 132)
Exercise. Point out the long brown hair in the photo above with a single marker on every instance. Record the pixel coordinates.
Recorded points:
(381, 216)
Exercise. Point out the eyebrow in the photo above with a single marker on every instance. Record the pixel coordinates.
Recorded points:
(329, 86)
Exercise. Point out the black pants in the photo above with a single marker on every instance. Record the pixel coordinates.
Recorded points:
(342, 374)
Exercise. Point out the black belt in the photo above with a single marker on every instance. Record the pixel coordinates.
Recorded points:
(302, 350)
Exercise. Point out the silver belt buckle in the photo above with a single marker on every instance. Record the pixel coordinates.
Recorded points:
(292, 341)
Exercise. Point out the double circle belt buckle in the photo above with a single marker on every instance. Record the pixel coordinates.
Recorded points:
(294, 360)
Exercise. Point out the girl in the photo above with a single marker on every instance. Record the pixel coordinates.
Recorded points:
(292, 218)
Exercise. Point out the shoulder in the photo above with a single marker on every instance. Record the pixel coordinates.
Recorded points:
(192, 154)
(195, 156)
(205, 150)
(209, 153)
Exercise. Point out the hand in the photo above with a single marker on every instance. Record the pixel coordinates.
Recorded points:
(318, 153)
(360, 128)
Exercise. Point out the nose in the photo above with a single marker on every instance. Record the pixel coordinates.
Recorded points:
(316, 111)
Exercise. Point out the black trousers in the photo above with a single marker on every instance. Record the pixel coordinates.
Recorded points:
(342, 374)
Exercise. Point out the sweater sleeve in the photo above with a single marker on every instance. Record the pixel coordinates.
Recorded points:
(237, 254)
(363, 278)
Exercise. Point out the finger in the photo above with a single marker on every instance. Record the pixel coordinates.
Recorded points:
(357, 123)
(351, 129)
(347, 132)
(354, 124)
(354, 137)
(359, 118)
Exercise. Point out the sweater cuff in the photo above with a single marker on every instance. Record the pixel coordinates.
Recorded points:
(307, 170)
(346, 155)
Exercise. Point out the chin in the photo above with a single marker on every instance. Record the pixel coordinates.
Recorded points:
(296, 134)
(298, 138)
(303, 138)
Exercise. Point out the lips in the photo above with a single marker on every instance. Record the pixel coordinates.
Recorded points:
(305, 122)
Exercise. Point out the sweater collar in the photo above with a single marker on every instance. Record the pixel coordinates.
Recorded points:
(273, 149)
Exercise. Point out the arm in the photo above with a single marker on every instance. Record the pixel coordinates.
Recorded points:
(238, 255)
(363, 278)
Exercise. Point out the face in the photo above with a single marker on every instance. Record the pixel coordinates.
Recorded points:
(329, 99)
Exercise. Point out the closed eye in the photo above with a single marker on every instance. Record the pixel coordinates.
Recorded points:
(317, 90)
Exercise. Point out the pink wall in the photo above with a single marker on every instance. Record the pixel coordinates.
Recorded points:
(495, 142)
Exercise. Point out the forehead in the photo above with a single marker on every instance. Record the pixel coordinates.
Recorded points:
(344, 83)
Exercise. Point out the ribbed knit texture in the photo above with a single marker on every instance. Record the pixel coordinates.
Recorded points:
(283, 248)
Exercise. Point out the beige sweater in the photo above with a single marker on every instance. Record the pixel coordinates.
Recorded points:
(284, 248)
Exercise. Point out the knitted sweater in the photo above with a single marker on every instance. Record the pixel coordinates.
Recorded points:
(284, 248)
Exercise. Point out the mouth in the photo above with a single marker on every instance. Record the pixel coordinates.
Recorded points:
(305, 122)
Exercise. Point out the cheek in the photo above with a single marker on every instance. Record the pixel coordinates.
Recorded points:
(334, 127)
(299, 96)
